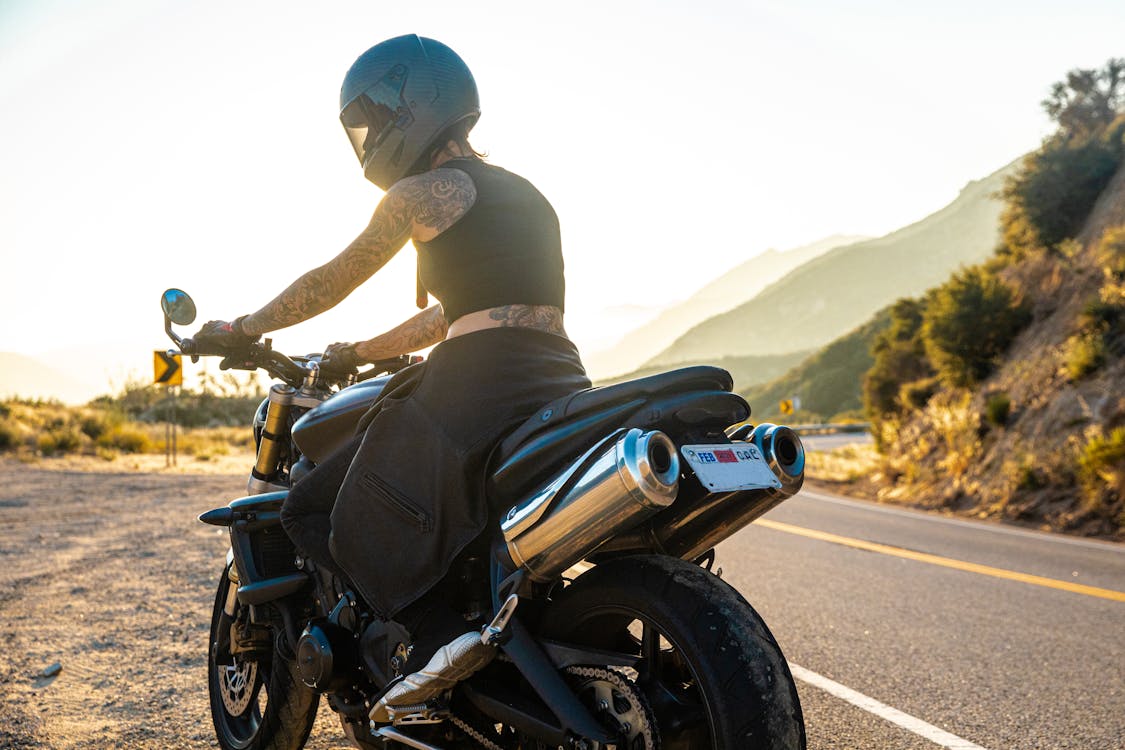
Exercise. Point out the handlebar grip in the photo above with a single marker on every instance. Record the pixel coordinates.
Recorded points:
(187, 346)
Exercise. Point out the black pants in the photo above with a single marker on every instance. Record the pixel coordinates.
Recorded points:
(306, 517)
(397, 504)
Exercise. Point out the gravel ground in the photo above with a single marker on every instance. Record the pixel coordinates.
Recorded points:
(108, 574)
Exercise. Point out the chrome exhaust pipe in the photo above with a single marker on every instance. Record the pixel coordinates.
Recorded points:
(700, 520)
(622, 480)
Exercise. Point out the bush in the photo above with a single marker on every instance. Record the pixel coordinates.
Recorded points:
(917, 394)
(899, 358)
(59, 440)
(968, 323)
(9, 436)
(1101, 467)
(1085, 353)
(998, 408)
(127, 438)
(1100, 315)
(1111, 254)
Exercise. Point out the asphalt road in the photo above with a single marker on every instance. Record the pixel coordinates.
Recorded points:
(970, 659)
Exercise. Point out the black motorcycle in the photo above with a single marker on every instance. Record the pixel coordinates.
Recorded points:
(595, 590)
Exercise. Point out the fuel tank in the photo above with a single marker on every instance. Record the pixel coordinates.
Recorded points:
(324, 429)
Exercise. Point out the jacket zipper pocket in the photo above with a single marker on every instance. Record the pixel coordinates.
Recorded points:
(400, 503)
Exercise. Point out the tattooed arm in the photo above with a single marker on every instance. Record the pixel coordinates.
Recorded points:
(420, 208)
(424, 329)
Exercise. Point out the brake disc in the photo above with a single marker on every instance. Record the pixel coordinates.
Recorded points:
(236, 685)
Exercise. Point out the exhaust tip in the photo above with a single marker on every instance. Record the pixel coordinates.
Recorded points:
(651, 460)
(783, 451)
(788, 451)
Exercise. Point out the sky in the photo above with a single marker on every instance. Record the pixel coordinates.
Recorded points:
(149, 143)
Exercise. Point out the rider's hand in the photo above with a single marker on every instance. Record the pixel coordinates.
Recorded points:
(222, 334)
(342, 356)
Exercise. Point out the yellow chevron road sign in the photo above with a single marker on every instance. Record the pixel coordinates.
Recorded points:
(167, 368)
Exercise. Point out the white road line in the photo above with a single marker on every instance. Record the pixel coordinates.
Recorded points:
(883, 711)
(978, 525)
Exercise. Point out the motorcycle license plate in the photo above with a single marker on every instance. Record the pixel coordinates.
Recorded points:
(731, 466)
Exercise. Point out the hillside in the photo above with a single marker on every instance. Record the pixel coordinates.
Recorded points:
(840, 290)
(731, 289)
(746, 371)
(827, 383)
(1042, 438)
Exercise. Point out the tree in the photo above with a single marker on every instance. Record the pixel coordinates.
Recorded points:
(900, 358)
(1088, 100)
(968, 323)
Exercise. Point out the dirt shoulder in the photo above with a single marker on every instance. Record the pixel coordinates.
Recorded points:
(107, 572)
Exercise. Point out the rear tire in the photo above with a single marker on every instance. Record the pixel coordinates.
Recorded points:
(259, 705)
(712, 672)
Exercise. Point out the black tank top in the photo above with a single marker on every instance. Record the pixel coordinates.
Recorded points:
(506, 250)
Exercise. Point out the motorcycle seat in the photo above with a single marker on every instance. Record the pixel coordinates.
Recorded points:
(691, 398)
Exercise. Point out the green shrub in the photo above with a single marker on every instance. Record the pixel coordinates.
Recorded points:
(899, 358)
(968, 323)
(9, 436)
(1101, 466)
(46, 444)
(1111, 253)
(998, 408)
(1085, 353)
(1029, 476)
(1100, 315)
(917, 394)
(59, 440)
(127, 438)
(94, 424)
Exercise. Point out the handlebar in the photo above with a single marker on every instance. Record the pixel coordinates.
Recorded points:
(262, 355)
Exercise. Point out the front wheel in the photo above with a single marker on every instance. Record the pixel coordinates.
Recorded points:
(711, 673)
(256, 703)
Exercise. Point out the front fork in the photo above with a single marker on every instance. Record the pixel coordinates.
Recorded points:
(231, 602)
(268, 474)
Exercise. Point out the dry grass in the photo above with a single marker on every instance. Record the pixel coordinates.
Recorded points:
(848, 463)
(42, 429)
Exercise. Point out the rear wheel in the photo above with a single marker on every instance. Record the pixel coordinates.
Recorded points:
(256, 704)
(711, 672)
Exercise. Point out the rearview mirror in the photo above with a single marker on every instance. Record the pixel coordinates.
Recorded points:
(178, 307)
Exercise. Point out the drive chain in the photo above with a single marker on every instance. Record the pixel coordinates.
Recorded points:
(468, 729)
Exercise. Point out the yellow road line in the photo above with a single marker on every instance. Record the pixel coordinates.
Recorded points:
(1011, 575)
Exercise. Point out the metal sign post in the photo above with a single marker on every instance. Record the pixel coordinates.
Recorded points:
(168, 370)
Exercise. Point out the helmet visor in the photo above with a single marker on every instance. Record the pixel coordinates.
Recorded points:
(369, 118)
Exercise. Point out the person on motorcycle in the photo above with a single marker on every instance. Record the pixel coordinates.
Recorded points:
(395, 508)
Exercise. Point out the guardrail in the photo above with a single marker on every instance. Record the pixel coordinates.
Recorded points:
(830, 429)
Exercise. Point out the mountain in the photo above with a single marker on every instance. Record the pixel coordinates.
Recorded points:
(828, 383)
(729, 290)
(25, 377)
(746, 371)
(839, 290)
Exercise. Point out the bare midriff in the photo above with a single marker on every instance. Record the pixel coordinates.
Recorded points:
(537, 317)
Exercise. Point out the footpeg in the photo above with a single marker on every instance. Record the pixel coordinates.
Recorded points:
(454, 662)
(494, 631)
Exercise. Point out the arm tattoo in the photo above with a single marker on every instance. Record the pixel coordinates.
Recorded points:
(540, 317)
(447, 196)
(424, 329)
(425, 206)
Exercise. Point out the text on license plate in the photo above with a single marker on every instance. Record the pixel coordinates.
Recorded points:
(730, 466)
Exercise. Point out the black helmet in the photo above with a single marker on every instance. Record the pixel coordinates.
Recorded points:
(398, 98)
